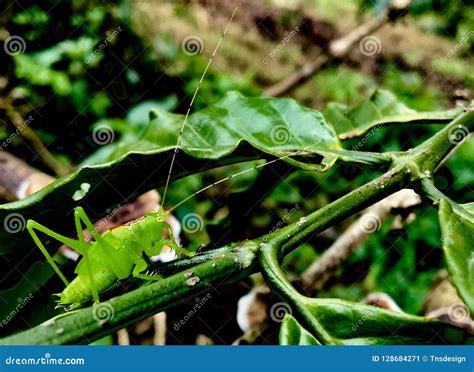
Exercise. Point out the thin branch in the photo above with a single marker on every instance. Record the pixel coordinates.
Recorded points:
(338, 48)
(297, 78)
(18, 180)
(159, 321)
(123, 337)
(23, 129)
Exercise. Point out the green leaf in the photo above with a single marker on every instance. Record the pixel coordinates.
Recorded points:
(358, 324)
(216, 136)
(457, 235)
(292, 333)
(383, 108)
(280, 127)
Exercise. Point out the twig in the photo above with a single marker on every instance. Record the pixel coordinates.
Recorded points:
(339, 48)
(160, 329)
(23, 129)
(382, 300)
(122, 337)
(17, 179)
(298, 78)
(323, 268)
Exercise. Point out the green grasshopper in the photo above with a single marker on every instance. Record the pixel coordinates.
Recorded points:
(116, 254)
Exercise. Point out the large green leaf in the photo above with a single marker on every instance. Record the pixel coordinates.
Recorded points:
(359, 324)
(279, 127)
(233, 130)
(383, 108)
(457, 235)
(293, 333)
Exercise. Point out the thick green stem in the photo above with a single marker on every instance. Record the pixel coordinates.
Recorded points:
(362, 197)
(431, 153)
(87, 325)
(277, 281)
(412, 168)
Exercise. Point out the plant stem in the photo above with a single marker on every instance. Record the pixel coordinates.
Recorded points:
(430, 191)
(431, 153)
(295, 234)
(87, 325)
(410, 168)
(277, 281)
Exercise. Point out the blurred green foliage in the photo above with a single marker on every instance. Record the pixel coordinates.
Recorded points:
(450, 18)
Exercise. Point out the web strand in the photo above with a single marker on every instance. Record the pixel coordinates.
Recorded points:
(176, 149)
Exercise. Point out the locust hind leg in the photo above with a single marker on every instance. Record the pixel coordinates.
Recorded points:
(32, 226)
(85, 255)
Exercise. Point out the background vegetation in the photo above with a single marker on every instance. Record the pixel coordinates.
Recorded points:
(85, 64)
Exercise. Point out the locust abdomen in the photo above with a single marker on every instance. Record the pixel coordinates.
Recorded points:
(80, 289)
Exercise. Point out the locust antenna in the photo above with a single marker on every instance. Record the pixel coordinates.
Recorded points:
(234, 175)
(191, 104)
